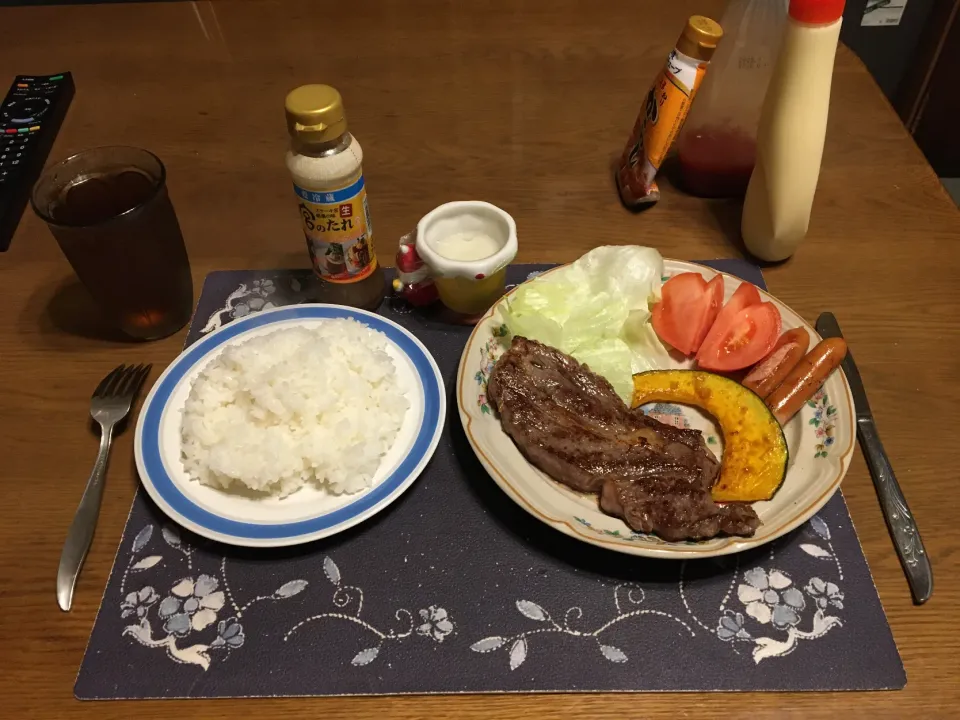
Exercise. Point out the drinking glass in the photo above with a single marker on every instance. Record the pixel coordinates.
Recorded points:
(109, 211)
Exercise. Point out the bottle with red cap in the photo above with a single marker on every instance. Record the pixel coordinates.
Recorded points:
(793, 123)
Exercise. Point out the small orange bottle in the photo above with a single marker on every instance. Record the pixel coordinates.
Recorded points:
(665, 109)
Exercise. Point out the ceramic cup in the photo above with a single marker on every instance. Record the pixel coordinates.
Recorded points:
(468, 286)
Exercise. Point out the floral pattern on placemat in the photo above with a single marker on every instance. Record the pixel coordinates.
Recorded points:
(249, 298)
(770, 612)
(192, 605)
(516, 645)
(432, 622)
(187, 623)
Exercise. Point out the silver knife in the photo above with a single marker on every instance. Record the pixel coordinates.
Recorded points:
(903, 529)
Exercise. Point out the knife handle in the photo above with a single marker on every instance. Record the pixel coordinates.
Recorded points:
(906, 536)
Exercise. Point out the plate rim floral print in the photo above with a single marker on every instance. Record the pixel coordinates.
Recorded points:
(813, 476)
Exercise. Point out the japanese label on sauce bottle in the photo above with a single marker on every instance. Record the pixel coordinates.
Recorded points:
(666, 107)
(339, 234)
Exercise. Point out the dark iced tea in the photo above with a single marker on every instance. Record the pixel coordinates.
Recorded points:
(109, 211)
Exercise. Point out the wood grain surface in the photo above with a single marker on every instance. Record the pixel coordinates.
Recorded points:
(520, 103)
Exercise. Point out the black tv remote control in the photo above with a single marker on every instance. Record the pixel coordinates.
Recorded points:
(30, 118)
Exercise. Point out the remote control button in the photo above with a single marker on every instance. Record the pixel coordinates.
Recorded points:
(25, 111)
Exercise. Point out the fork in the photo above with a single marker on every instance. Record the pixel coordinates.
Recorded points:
(110, 404)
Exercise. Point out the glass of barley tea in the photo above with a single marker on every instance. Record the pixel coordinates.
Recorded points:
(109, 211)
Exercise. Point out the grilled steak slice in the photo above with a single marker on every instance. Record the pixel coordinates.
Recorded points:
(669, 506)
(570, 423)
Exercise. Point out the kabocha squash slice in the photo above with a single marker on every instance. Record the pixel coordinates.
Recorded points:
(755, 454)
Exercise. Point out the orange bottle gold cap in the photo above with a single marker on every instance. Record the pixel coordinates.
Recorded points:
(700, 37)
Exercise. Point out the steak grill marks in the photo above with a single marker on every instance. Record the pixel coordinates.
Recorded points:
(570, 423)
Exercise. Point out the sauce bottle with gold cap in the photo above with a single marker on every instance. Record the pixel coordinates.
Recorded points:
(326, 164)
(665, 109)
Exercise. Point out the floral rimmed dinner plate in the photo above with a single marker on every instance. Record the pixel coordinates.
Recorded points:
(310, 513)
(821, 439)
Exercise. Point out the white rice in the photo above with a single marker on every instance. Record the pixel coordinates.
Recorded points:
(319, 405)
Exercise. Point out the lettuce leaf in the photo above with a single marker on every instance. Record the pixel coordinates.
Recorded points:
(596, 309)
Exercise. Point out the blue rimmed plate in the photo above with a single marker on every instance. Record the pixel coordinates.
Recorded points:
(310, 513)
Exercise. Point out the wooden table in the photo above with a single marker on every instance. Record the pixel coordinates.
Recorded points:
(522, 104)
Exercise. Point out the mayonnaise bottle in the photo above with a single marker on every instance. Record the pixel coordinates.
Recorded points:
(793, 122)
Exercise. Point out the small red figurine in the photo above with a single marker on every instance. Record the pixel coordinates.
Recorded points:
(413, 281)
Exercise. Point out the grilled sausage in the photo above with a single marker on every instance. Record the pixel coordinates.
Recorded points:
(806, 378)
(767, 374)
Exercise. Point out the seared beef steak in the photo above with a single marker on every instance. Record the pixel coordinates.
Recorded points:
(571, 424)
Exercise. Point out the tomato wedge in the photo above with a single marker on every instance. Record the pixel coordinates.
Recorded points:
(686, 311)
(745, 295)
(740, 338)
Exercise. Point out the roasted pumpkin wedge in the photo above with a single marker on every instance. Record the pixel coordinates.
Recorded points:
(754, 461)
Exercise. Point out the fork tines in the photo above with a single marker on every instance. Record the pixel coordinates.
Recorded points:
(123, 381)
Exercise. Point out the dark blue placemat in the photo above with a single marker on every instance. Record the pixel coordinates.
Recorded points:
(454, 588)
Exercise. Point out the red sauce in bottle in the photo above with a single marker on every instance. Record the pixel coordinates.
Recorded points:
(716, 161)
